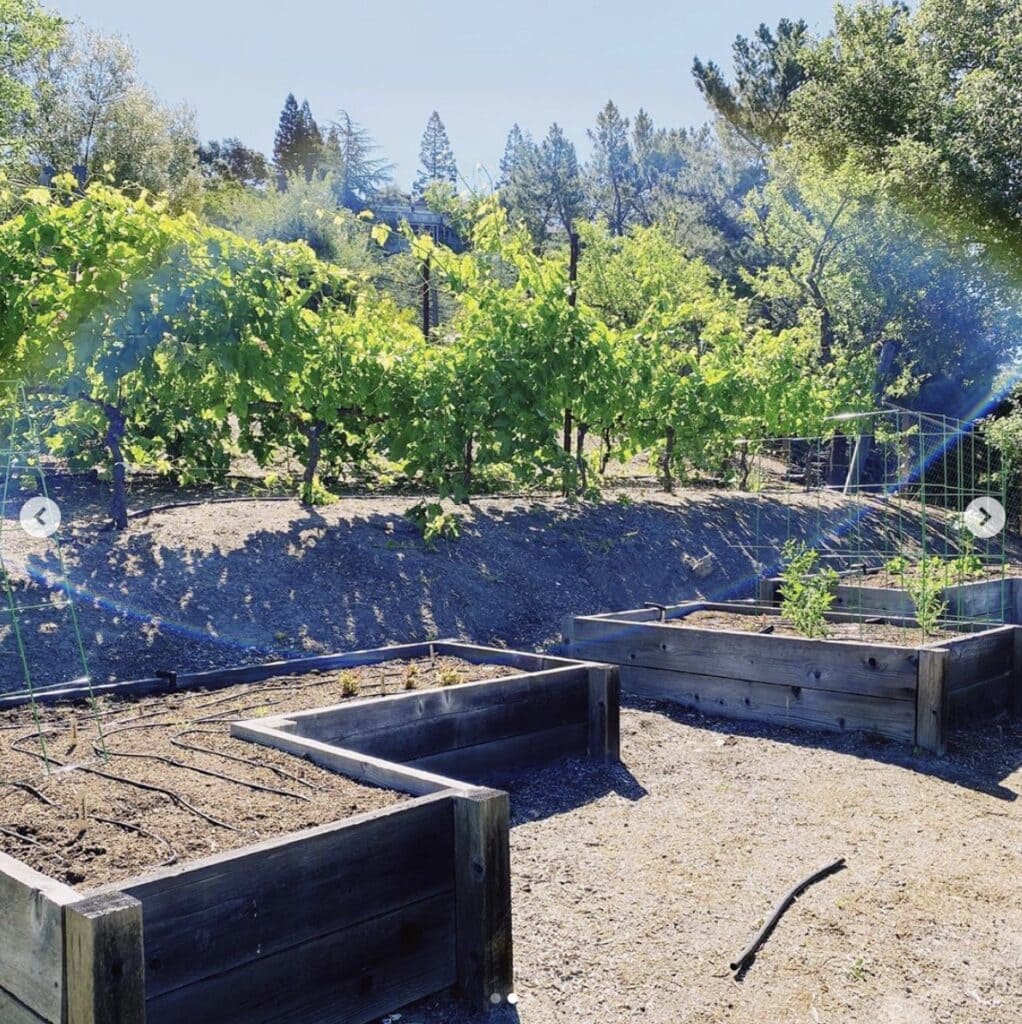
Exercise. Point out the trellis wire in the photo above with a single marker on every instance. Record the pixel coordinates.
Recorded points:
(21, 453)
(893, 482)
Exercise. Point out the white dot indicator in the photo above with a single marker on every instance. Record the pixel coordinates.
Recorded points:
(40, 517)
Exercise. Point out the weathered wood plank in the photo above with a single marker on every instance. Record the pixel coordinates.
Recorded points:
(209, 917)
(337, 722)
(933, 707)
(217, 678)
(483, 896)
(105, 961)
(363, 767)
(14, 1012)
(354, 975)
(32, 938)
(874, 601)
(487, 761)
(422, 736)
(984, 699)
(868, 669)
(795, 707)
(979, 656)
(527, 661)
(605, 713)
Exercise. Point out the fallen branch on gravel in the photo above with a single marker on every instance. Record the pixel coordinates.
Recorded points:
(740, 965)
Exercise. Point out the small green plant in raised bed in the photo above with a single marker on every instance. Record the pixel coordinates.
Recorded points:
(349, 684)
(926, 588)
(411, 678)
(448, 677)
(807, 592)
(897, 566)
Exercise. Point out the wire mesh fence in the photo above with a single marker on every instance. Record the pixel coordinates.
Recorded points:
(893, 498)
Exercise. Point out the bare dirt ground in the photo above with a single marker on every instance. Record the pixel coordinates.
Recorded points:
(94, 794)
(224, 584)
(636, 886)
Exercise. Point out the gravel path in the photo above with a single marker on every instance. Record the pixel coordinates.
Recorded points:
(635, 886)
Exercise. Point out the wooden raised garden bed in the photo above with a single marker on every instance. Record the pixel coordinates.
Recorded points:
(344, 920)
(996, 600)
(913, 690)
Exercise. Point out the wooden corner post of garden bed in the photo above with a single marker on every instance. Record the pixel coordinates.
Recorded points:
(482, 855)
(604, 713)
(105, 962)
(1016, 669)
(933, 700)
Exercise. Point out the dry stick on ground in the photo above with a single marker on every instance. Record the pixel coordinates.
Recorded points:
(743, 962)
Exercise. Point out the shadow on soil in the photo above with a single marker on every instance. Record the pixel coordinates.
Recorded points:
(980, 756)
(226, 584)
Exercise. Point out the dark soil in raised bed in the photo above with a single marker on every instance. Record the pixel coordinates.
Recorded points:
(868, 632)
(135, 784)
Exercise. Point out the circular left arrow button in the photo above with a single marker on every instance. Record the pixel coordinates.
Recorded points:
(40, 517)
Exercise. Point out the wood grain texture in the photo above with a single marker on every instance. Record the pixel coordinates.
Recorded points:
(483, 763)
(14, 1012)
(484, 950)
(874, 670)
(378, 716)
(105, 961)
(778, 705)
(212, 916)
(933, 704)
(353, 975)
(604, 713)
(363, 767)
(32, 939)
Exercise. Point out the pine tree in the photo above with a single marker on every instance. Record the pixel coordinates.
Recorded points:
(561, 177)
(515, 150)
(545, 185)
(310, 142)
(612, 170)
(286, 154)
(436, 158)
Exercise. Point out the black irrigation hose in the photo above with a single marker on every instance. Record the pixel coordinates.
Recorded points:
(172, 762)
(251, 761)
(743, 962)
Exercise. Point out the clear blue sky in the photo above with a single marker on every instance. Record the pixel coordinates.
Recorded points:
(482, 65)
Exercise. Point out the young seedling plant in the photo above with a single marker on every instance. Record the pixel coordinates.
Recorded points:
(926, 588)
(807, 592)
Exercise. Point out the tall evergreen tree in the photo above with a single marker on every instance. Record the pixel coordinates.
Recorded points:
(287, 141)
(515, 150)
(769, 69)
(436, 158)
(310, 144)
(612, 170)
(545, 186)
(358, 175)
(561, 178)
